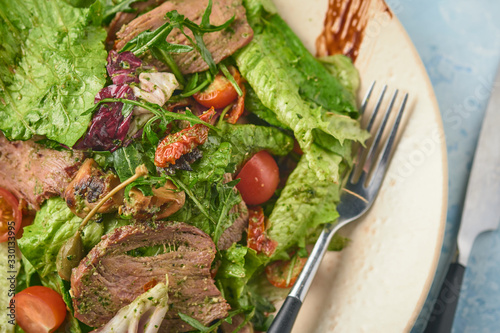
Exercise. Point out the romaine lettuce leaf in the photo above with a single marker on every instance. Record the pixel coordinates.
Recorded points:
(303, 95)
(305, 203)
(51, 66)
(247, 140)
(342, 68)
(53, 225)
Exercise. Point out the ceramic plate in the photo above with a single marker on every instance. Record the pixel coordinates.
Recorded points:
(380, 281)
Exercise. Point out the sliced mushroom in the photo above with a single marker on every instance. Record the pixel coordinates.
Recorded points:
(91, 184)
(165, 201)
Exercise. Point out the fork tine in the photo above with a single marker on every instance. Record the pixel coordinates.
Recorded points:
(373, 116)
(366, 98)
(378, 136)
(383, 162)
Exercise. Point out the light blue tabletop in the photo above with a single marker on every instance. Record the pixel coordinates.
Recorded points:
(459, 43)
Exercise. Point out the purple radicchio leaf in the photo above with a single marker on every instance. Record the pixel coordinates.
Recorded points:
(122, 67)
(109, 127)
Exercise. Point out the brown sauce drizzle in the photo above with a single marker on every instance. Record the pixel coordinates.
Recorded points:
(344, 26)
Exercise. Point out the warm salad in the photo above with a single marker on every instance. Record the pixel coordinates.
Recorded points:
(163, 164)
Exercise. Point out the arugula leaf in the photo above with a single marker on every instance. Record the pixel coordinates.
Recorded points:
(127, 159)
(112, 7)
(158, 38)
(161, 112)
(52, 64)
(180, 21)
(230, 77)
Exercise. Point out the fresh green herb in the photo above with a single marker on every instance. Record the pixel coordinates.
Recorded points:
(51, 144)
(166, 58)
(149, 132)
(149, 40)
(202, 328)
(197, 88)
(157, 110)
(193, 197)
(230, 77)
(158, 38)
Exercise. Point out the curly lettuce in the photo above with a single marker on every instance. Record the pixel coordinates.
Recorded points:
(52, 64)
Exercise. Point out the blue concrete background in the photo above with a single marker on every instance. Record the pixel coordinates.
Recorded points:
(459, 43)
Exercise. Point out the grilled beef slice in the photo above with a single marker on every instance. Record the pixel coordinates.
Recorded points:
(112, 275)
(33, 172)
(221, 43)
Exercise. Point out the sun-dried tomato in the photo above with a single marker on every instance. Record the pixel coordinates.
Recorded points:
(173, 146)
(257, 238)
(238, 107)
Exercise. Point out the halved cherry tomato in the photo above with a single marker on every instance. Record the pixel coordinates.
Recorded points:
(257, 238)
(39, 309)
(10, 215)
(259, 178)
(282, 274)
(220, 93)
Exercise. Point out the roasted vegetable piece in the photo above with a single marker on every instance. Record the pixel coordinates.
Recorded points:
(88, 187)
(122, 66)
(165, 201)
(109, 127)
(69, 256)
(144, 314)
(175, 145)
(284, 273)
(257, 237)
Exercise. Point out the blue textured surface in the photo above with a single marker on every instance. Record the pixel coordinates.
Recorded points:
(459, 42)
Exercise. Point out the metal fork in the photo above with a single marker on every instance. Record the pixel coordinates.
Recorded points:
(357, 197)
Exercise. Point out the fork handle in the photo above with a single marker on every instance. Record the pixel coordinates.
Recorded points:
(283, 323)
(286, 316)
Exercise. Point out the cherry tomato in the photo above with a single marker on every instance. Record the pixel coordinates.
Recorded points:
(220, 93)
(259, 178)
(282, 274)
(257, 238)
(39, 309)
(10, 215)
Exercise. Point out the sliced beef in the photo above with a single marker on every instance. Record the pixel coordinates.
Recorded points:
(33, 172)
(221, 44)
(123, 18)
(235, 231)
(113, 275)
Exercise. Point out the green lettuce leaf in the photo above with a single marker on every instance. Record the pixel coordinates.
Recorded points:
(255, 106)
(303, 95)
(247, 140)
(305, 203)
(342, 68)
(53, 225)
(51, 67)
